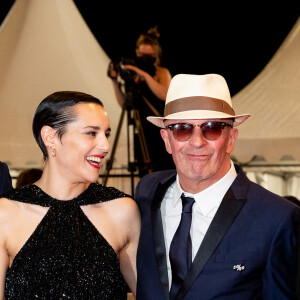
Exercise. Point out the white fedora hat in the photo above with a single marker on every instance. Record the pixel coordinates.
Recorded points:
(198, 97)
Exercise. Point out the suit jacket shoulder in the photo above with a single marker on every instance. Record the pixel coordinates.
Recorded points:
(151, 183)
(5, 178)
(243, 188)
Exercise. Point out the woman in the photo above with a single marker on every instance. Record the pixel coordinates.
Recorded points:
(151, 82)
(66, 236)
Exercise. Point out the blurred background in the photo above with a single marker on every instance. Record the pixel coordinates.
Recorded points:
(235, 39)
(50, 45)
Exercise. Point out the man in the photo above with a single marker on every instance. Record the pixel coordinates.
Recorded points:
(5, 178)
(207, 231)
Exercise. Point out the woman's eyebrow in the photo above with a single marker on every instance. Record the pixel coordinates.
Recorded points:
(92, 127)
(96, 128)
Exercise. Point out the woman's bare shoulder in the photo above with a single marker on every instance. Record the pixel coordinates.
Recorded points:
(8, 212)
(163, 75)
(7, 205)
(11, 210)
(125, 204)
(127, 216)
(124, 209)
(163, 71)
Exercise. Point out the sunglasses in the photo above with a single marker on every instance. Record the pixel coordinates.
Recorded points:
(211, 130)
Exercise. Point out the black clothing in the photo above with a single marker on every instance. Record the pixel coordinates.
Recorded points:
(65, 257)
(160, 158)
(5, 178)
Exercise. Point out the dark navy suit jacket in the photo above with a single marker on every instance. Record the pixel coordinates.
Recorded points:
(248, 251)
(5, 178)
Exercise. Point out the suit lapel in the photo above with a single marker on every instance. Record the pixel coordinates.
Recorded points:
(158, 235)
(225, 215)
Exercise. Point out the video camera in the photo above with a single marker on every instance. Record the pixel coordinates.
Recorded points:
(125, 74)
(132, 86)
(144, 62)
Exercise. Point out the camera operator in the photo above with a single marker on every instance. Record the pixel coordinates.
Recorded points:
(150, 82)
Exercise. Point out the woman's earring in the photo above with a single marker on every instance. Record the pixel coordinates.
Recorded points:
(53, 153)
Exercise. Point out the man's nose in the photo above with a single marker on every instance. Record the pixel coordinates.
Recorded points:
(197, 139)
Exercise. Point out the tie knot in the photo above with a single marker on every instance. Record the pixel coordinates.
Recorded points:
(187, 203)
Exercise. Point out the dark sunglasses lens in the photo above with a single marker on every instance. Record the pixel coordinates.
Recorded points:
(212, 131)
(182, 132)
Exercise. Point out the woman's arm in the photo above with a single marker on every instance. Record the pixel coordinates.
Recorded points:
(112, 73)
(4, 258)
(127, 255)
(158, 84)
(118, 92)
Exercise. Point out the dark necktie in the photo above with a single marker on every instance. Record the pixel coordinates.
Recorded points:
(181, 246)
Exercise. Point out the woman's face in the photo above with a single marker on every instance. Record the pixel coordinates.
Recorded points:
(146, 59)
(84, 145)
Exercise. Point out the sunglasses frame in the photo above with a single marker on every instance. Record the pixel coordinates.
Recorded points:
(222, 124)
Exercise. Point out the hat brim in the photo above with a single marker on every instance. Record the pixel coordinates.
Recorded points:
(198, 114)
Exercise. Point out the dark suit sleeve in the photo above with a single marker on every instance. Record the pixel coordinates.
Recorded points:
(297, 265)
(5, 179)
(278, 277)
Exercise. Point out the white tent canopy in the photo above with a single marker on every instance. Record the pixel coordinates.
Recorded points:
(273, 100)
(46, 46)
(270, 138)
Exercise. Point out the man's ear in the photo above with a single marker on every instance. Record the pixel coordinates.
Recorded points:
(232, 138)
(165, 137)
(48, 136)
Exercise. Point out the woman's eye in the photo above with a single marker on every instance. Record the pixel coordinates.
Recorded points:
(92, 133)
(107, 134)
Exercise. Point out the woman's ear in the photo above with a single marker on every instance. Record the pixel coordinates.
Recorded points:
(48, 136)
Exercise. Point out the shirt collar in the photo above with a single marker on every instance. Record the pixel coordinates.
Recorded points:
(212, 196)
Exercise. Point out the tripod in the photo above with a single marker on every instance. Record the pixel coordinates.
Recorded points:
(133, 119)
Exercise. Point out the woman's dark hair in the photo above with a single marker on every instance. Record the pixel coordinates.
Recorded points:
(56, 111)
(151, 38)
(28, 176)
(292, 199)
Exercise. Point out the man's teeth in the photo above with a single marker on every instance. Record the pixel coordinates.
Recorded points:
(94, 160)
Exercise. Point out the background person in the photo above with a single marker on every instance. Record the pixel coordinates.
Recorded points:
(68, 237)
(207, 231)
(28, 176)
(5, 178)
(147, 92)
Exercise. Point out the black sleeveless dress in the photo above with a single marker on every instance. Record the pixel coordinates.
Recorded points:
(66, 257)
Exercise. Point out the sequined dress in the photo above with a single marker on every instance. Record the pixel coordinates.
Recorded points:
(65, 257)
